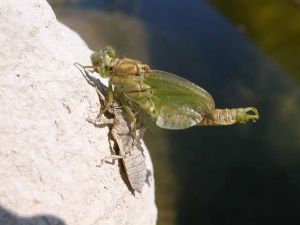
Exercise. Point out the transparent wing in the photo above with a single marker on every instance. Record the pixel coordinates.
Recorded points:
(178, 103)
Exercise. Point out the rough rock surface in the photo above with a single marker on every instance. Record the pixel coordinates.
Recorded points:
(48, 151)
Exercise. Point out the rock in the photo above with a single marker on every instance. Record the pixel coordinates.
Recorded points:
(48, 151)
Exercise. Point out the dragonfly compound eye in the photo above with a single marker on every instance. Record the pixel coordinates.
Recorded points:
(96, 59)
(110, 51)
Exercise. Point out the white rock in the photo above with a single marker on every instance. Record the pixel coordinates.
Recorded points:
(48, 151)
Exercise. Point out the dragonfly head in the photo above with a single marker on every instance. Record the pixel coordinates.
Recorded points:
(101, 60)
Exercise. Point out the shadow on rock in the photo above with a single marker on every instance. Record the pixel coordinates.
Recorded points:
(9, 218)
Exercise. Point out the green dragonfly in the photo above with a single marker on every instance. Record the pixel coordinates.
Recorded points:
(172, 101)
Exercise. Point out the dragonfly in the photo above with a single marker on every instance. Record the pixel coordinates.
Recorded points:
(170, 100)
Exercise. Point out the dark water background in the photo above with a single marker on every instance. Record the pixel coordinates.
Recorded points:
(245, 53)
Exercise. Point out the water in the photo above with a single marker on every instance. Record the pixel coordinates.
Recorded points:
(244, 174)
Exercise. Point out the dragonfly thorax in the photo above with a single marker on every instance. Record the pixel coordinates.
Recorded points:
(127, 67)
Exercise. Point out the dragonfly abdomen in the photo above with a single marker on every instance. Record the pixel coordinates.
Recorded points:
(135, 167)
(222, 117)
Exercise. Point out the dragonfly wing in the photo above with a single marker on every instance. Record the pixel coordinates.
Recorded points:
(176, 118)
(178, 103)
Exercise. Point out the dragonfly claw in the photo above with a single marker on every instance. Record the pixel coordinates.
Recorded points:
(243, 115)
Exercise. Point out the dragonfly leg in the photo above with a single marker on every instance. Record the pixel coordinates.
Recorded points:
(100, 121)
(110, 99)
(113, 157)
(94, 68)
(107, 104)
(130, 114)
